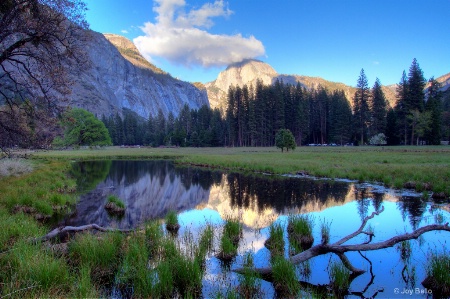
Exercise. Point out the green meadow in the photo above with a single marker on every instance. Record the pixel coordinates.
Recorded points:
(424, 168)
(42, 189)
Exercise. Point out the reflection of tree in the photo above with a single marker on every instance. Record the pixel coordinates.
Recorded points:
(281, 193)
(377, 200)
(89, 174)
(363, 202)
(412, 207)
(197, 176)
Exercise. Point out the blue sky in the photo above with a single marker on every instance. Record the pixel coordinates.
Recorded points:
(194, 40)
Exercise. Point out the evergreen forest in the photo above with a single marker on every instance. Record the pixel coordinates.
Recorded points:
(318, 116)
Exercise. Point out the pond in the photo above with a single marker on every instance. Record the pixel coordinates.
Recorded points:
(150, 189)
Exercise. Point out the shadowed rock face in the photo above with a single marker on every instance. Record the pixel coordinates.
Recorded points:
(119, 77)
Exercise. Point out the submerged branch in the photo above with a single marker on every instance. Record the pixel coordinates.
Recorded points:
(60, 231)
(339, 249)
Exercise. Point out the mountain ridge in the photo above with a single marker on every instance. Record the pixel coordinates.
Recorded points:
(218, 89)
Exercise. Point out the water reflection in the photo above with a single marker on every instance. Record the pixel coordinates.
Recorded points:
(150, 189)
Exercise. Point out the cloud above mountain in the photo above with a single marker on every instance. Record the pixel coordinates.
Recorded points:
(182, 37)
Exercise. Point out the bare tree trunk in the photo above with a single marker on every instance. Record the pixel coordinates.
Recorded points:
(60, 231)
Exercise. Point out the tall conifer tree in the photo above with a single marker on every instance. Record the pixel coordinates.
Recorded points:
(361, 106)
(402, 107)
(378, 109)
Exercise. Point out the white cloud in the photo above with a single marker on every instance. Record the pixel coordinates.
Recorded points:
(181, 37)
(376, 62)
(124, 31)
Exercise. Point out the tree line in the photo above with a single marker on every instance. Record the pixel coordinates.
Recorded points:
(254, 115)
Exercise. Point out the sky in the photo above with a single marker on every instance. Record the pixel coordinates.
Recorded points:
(194, 40)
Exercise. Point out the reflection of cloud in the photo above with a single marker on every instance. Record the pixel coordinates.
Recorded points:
(181, 37)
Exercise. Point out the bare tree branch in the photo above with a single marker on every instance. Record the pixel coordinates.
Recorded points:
(60, 231)
(339, 249)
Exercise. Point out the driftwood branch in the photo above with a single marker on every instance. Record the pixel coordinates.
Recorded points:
(61, 231)
(339, 249)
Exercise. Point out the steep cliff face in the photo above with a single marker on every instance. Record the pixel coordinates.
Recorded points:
(119, 77)
(249, 71)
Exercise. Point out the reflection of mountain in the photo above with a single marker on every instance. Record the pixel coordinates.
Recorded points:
(149, 190)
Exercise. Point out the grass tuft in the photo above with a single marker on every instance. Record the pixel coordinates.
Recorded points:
(438, 274)
(275, 242)
(339, 277)
(300, 232)
(284, 278)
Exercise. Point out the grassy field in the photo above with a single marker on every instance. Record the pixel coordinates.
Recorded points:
(426, 167)
(35, 190)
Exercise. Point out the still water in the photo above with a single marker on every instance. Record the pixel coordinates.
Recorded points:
(150, 189)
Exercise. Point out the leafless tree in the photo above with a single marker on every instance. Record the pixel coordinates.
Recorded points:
(39, 41)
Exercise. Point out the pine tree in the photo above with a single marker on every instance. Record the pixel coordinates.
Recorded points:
(378, 109)
(416, 85)
(340, 118)
(118, 123)
(416, 96)
(402, 107)
(434, 107)
(392, 128)
(361, 106)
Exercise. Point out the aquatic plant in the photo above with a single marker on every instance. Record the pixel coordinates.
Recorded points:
(300, 231)
(115, 206)
(339, 277)
(249, 280)
(275, 242)
(101, 254)
(285, 280)
(172, 224)
(438, 274)
(229, 241)
(232, 229)
(325, 232)
(405, 250)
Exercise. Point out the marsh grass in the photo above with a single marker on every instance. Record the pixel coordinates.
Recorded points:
(115, 200)
(134, 273)
(438, 274)
(275, 242)
(34, 271)
(172, 224)
(205, 244)
(339, 277)
(84, 288)
(249, 280)
(405, 250)
(300, 232)
(426, 164)
(17, 227)
(15, 167)
(232, 232)
(325, 231)
(284, 277)
(232, 229)
(32, 193)
(102, 253)
(115, 206)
